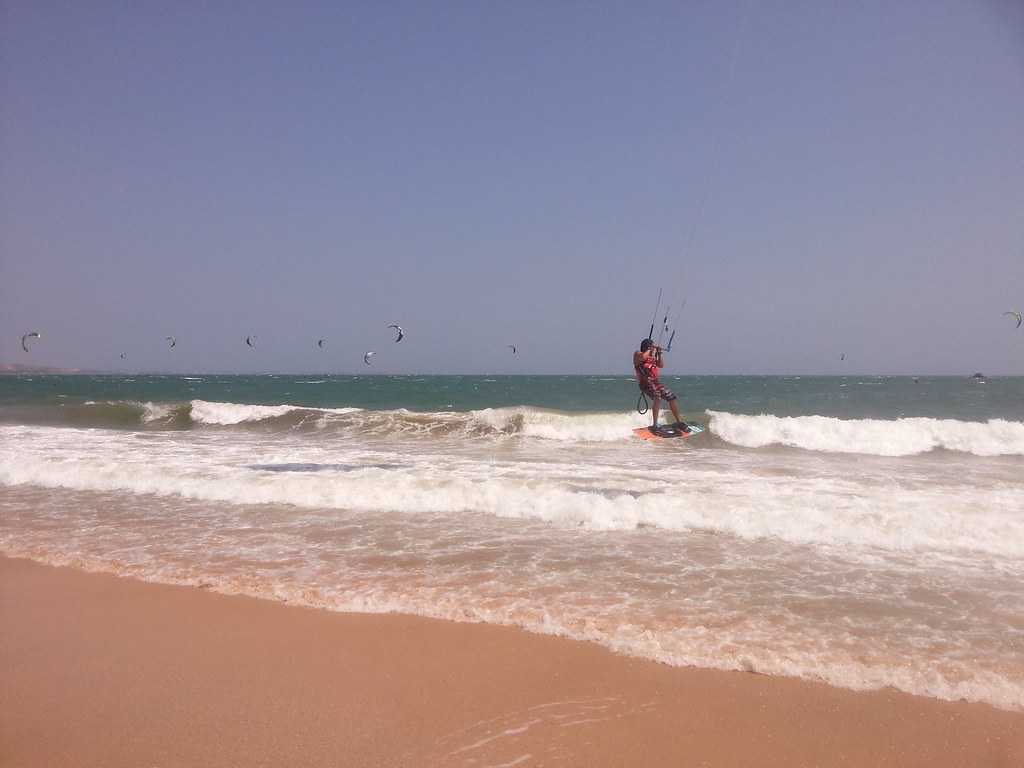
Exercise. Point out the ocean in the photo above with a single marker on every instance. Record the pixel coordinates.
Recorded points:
(863, 531)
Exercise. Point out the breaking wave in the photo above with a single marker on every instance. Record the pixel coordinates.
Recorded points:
(878, 437)
(898, 437)
(523, 420)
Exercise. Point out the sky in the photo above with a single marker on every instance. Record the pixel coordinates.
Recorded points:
(815, 179)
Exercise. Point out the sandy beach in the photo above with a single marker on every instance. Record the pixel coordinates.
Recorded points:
(100, 670)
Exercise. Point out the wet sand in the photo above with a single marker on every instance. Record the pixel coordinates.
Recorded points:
(99, 670)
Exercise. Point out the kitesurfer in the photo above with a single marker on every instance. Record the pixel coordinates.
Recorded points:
(647, 362)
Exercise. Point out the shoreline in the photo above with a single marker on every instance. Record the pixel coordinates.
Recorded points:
(105, 670)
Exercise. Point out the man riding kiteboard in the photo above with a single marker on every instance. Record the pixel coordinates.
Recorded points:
(647, 363)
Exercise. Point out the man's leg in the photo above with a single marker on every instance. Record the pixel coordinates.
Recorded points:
(675, 410)
(655, 406)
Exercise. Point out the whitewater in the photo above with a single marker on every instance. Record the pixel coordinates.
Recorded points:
(861, 542)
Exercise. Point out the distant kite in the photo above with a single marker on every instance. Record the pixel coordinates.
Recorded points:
(172, 340)
(122, 355)
(1016, 315)
(401, 333)
(513, 348)
(320, 343)
(367, 356)
(27, 336)
(842, 356)
(251, 341)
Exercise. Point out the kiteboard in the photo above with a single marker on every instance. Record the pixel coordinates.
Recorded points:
(667, 432)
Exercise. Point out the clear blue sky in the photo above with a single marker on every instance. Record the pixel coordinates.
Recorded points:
(528, 173)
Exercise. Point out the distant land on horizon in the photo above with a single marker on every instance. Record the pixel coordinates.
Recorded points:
(19, 368)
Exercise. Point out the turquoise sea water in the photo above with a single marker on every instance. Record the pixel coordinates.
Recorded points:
(847, 397)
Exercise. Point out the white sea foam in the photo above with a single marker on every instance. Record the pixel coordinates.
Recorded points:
(889, 513)
(205, 412)
(899, 437)
(554, 425)
(228, 414)
(156, 411)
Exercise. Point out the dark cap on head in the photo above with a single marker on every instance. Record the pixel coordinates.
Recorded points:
(646, 344)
